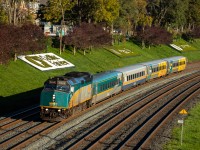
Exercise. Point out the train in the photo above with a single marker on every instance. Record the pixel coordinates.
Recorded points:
(64, 95)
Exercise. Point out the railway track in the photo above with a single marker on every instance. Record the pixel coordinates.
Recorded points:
(114, 133)
(111, 130)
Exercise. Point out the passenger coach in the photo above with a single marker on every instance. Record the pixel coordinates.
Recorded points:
(106, 84)
(133, 75)
(155, 69)
(176, 64)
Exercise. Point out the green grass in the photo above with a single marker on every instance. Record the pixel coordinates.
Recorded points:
(191, 133)
(186, 46)
(19, 77)
(124, 50)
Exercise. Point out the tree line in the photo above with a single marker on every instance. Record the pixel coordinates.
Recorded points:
(125, 15)
(151, 22)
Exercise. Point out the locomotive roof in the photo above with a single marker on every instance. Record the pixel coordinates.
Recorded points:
(131, 68)
(105, 75)
(75, 77)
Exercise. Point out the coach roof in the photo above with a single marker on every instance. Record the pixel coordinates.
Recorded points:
(105, 75)
(131, 68)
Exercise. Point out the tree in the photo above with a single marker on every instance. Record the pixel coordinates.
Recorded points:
(107, 11)
(3, 16)
(83, 11)
(193, 14)
(192, 34)
(19, 40)
(176, 13)
(86, 36)
(16, 11)
(127, 16)
(55, 11)
(5, 36)
(155, 36)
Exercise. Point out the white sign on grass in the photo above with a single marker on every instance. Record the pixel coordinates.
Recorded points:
(46, 61)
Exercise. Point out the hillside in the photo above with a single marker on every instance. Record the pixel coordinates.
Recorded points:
(21, 83)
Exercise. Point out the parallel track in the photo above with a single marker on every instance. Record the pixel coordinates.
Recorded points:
(104, 136)
(116, 130)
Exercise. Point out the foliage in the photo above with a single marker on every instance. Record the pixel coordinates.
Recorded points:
(107, 10)
(3, 16)
(155, 36)
(5, 42)
(193, 14)
(195, 33)
(87, 35)
(82, 11)
(191, 35)
(55, 9)
(18, 40)
(127, 16)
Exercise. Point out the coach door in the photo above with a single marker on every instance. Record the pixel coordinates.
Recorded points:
(170, 67)
(149, 72)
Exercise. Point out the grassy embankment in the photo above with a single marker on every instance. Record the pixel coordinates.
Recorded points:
(21, 83)
(191, 133)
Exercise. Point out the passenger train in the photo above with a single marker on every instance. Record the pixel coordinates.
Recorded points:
(74, 91)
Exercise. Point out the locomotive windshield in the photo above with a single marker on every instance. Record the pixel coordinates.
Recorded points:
(57, 85)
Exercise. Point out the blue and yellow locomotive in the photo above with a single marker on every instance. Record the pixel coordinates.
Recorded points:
(63, 95)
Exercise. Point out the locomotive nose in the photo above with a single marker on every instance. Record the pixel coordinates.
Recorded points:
(54, 98)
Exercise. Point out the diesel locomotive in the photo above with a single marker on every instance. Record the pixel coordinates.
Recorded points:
(75, 91)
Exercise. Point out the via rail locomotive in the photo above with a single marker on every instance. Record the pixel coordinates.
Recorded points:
(74, 91)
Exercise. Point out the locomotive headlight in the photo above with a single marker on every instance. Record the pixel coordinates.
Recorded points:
(46, 109)
(53, 97)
